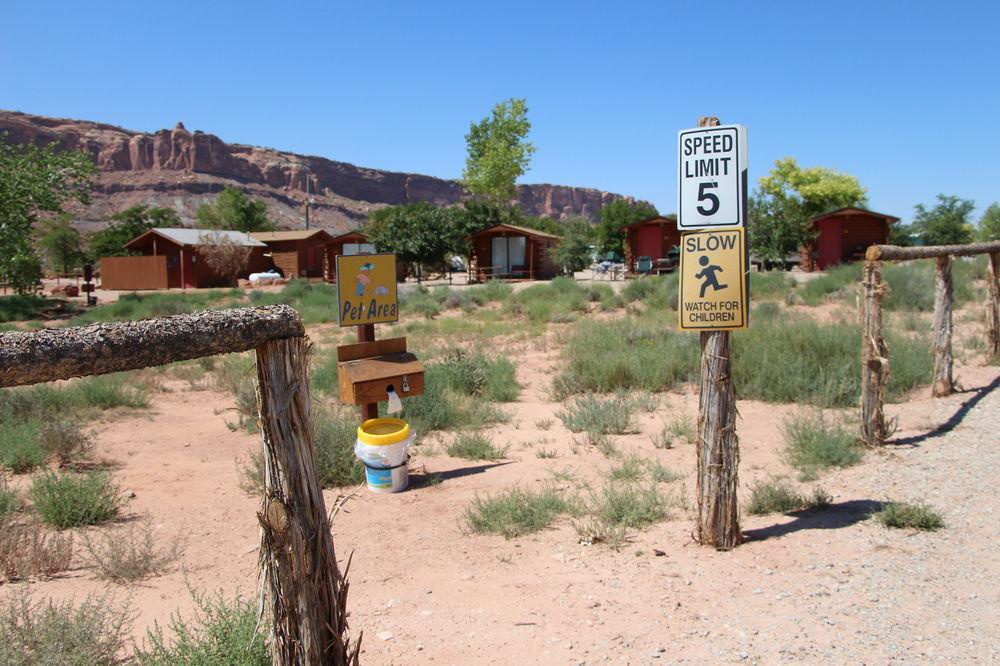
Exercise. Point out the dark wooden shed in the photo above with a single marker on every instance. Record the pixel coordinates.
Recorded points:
(843, 236)
(184, 263)
(653, 237)
(505, 251)
(297, 253)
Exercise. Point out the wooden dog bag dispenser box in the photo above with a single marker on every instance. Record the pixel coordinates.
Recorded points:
(368, 371)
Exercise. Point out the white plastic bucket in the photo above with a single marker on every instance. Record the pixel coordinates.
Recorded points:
(382, 448)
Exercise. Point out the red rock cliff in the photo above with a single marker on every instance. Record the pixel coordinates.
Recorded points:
(183, 169)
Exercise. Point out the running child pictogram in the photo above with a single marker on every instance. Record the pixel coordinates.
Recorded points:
(708, 274)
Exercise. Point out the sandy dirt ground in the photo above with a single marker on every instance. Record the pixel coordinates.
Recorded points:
(828, 586)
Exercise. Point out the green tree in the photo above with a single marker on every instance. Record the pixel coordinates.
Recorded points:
(126, 225)
(498, 153)
(61, 243)
(788, 198)
(34, 180)
(947, 223)
(989, 224)
(572, 254)
(614, 216)
(421, 233)
(233, 210)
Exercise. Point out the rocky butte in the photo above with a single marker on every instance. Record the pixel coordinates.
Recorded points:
(181, 169)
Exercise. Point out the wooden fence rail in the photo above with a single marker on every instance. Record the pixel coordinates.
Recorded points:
(301, 583)
(875, 355)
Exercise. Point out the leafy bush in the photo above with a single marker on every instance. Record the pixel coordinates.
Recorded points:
(130, 553)
(814, 444)
(49, 632)
(475, 446)
(515, 512)
(918, 516)
(28, 550)
(72, 500)
(221, 632)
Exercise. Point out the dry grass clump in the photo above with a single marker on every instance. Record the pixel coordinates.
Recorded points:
(917, 516)
(74, 500)
(476, 446)
(41, 633)
(130, 553)
(515, 512)
(28, 550)
(777, 495)
(64, 439)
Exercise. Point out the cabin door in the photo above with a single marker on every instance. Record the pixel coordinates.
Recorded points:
(500, 259)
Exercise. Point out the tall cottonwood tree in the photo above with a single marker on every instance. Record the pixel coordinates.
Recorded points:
(233, 210)
(788, 197)
(498, 153)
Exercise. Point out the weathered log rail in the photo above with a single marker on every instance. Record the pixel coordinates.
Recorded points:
(875, 355)
(302, 586)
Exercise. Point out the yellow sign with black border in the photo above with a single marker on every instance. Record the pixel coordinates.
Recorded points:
(714, 283)
(366, 289)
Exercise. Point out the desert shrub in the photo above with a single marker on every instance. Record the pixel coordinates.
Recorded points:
(236, 373)
(64, 439)
(220, 632)
(838, 282)
(634, 468)
(315, 303)
(774, 495)
(494, 290)
(659, 292)
(611, 415)
(106, 392)
(130, 553)
(422, 301)
(130, 307)
(918, 516)
(28, 550)
(19, 448)
(251, 472)
(556, 301)
(458, 392)
(629, 506)
(911, 285)
(515, 512)
(72, 500)
(8, 500)
(813, 444)
(478, 375)
(796, 360)
(630, 353)
(335, 435)
(42, 633)
(323, 374)
(25, 307)
(475, 446)
(770, 285)
(766, 310)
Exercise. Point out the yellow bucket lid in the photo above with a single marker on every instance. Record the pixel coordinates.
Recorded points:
(382, 432)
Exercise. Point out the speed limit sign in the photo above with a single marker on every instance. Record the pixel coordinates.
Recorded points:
(712, 177)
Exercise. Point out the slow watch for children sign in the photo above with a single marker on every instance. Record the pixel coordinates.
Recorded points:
(366, 289)
(713, 277)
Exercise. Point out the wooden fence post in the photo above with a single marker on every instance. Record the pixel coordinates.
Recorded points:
(943, 381)
(305, 592)
(718, 445)
(874, 358)
(993, 315)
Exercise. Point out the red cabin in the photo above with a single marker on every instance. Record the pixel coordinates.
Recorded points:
(652, 238)
(505, 251)
(843, 236)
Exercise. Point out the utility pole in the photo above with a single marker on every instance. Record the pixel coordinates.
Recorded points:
(308, 178)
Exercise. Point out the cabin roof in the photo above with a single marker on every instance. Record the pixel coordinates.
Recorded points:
(852, 210)
(656, 219)
(289, 235)
(195, 237)
(521, 230)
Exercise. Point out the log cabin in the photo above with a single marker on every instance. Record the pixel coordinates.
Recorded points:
(506, 251)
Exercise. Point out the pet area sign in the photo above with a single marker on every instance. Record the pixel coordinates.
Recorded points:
(366, 289)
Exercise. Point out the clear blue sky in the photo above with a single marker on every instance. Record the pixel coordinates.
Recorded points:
(905, 95)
